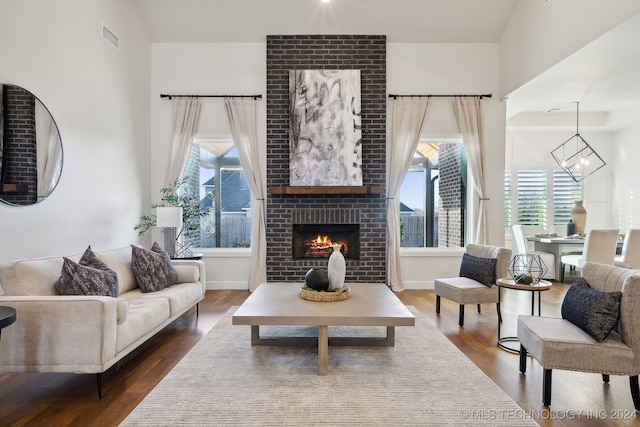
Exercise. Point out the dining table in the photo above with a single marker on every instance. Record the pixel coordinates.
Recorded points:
(560, 245)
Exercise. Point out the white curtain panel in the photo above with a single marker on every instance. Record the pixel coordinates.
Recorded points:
(470, 119)
(408, 118)
(186, 114)
(242, 117)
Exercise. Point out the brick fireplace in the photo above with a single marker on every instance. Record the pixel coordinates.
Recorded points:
(365, 212)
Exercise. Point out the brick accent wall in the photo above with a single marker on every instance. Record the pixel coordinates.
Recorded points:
(20, 154)
(452, 197)
(331, 52)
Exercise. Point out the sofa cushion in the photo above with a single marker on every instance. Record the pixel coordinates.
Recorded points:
(90, 259)
(181, 296)
(187, 273)
(143, 316)
(465, 291)
(152, 269)
(122, 310)
(119, 260)
(482, 270)
(35, 276)
(595, 312)
(81, 279)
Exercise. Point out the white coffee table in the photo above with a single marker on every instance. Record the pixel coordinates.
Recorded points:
(370, 304)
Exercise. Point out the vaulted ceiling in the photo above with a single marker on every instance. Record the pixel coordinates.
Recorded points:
(603, 76)
(402, 21)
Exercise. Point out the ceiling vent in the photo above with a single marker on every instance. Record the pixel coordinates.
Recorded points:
(110, 37)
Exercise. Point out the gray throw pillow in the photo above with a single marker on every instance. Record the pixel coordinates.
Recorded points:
(90, 276)
(595, 312)
(482, 270)
(152, 269)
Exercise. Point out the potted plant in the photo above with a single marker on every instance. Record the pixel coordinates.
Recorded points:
(178, 194)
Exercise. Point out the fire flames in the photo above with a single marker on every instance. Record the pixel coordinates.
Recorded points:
(320, 246)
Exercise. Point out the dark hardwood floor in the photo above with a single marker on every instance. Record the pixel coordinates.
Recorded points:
(578, 399)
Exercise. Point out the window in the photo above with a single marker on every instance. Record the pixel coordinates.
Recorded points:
(565, 192)
(532, 197)
(433, 196)
(215, 172)
(539, 197)
(508, 191)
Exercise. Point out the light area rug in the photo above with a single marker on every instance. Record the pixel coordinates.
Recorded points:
(424, 380)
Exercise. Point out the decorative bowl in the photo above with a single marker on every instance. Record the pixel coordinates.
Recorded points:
(337, 294)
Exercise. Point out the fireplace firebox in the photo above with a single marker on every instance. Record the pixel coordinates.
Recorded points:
(315, 240)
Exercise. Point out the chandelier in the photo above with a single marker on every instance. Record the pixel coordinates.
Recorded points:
(576, 157)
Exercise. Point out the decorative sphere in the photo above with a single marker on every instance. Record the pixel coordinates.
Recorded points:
(317, 279)
(527, 268)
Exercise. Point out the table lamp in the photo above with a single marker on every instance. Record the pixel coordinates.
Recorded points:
(169, 218)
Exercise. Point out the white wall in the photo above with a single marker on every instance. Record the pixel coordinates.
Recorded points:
(99, 97)
(624, 183)
(538, 36)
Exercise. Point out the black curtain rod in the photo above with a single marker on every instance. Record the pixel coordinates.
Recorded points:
(162, 95)
(439, 96)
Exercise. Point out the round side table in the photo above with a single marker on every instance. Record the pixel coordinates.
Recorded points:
(534, 288)
(7, 316)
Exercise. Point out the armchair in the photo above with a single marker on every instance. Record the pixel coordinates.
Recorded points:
(559, 344)
(466, 290)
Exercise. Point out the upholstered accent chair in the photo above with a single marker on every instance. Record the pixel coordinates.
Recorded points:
(557, 343)
(467, 290)
(630, 256)
(599, 246)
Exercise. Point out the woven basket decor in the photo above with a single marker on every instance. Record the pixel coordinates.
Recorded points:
(325, 296)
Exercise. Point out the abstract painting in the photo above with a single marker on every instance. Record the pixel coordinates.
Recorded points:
(325, 128)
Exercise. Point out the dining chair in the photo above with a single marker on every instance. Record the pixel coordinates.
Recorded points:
(522, 248)
(599, 247)
(630, 257)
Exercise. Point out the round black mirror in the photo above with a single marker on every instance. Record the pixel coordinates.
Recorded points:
(30, 148)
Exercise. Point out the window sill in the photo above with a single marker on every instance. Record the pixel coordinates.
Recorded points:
(431, 252)
(223, 252)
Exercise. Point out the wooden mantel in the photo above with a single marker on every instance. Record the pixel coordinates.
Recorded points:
(328, 189)
(15, 188)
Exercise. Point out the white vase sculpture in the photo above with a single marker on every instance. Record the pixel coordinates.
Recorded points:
(336, 269)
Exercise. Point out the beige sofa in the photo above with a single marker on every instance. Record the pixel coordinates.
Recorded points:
(86, 334)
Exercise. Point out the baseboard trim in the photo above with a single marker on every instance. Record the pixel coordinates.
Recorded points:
(227, 285)
(426, 284)
(243, 286)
